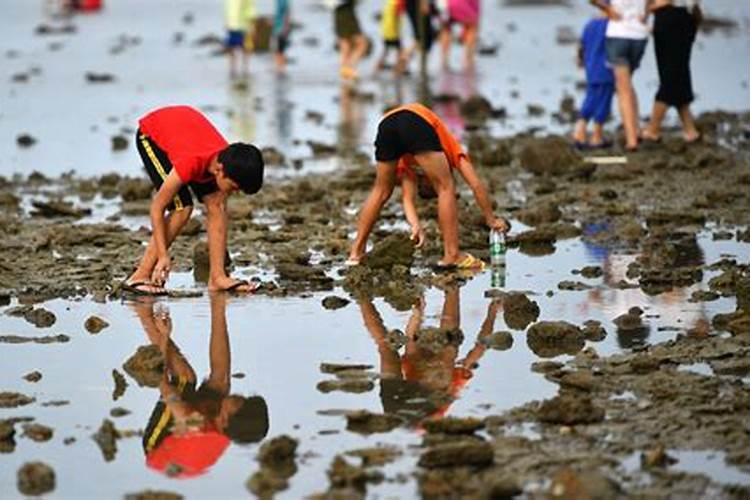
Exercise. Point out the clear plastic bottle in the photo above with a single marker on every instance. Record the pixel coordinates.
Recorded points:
(497, 258)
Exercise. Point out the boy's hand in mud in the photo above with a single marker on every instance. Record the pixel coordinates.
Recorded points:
(417, 236)
(499, 223)
(161, 271)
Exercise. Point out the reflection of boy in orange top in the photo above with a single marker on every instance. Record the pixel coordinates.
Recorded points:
(423, 383)
(413, 136)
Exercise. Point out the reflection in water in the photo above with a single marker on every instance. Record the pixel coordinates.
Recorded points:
(242, 122)
(458, 87)
(282, 112)
(351, 120)
(423, 381)
(671, 307)
(192, 425)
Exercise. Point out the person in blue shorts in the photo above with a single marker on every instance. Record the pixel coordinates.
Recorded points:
(600, 85)
(238, 17)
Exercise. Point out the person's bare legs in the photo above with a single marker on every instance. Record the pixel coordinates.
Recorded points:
(232, 62)
(176, 220)
(345, 49)
(216, 227)
(579, 132)
(689, 129)
(597, 135)
(358, 50)
(652, 131)
(385, 180)
(628, 103)
(445, 46)
(470, 46)
(390, 361)
(435, 166)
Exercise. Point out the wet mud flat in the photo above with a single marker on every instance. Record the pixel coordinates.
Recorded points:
(618, 421)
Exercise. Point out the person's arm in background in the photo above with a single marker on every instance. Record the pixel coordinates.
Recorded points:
(605, 7)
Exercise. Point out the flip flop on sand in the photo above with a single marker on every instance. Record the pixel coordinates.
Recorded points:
(137, 288)
(233, 288)
(352, 262)
(467, 263)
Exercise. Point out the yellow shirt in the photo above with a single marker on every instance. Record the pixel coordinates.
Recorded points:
(390, 22)
(238, 14)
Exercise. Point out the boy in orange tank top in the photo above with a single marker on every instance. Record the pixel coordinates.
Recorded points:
(412, 135)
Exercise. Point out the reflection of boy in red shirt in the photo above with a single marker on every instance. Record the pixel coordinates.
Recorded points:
(191, 426)
(423, 383)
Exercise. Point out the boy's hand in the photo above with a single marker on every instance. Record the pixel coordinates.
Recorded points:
(417, 236)
(499, 223)
(161, 271)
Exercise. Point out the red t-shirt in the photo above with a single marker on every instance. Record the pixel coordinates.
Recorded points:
(187, 137)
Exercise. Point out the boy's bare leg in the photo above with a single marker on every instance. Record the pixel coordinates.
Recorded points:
(390, 361)
(470, 45)
(385, 180)
(597, 134)
(435, 165)
(216, 227)
(359, 49)
(451, 316)
(176, 220)
(653, 129)
(345, 48)
(628, 105)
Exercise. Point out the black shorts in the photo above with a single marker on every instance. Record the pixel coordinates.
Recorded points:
(396, 44)
(345, 22)
(158, 166)
(403, 133)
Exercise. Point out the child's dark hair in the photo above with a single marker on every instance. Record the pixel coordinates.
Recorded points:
(249, 424)
(243, 163)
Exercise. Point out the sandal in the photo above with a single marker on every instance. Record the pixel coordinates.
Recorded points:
(468, 262)
(136, 288)
(233, 288)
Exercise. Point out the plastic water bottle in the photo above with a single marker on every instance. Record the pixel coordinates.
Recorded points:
(497, 258)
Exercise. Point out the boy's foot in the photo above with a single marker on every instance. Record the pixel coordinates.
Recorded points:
(233, 286)
(693, 138)
(143, 288)
(647, 136)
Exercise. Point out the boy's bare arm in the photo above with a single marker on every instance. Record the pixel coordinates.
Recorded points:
(409, 189)
(164, 196)
(480, 195)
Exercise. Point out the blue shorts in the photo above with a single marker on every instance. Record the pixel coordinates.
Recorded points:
(235, 38)
(625, 52)
(598, 102)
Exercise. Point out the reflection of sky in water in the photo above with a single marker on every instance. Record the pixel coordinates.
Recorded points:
(711, 463)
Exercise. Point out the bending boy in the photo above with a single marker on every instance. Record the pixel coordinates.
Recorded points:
(409, 137)
(183, 153)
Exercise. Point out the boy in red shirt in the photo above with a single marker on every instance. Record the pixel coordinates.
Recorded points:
(183, 152)
(409, 136)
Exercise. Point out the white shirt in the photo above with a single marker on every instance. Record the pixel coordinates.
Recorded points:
(631, 25)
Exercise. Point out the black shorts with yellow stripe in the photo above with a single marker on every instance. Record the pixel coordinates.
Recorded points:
(158, 166)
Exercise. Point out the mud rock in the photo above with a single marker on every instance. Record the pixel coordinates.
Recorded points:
(37, 432)
(476, 108)
(354, 386)
(395, 249)
(582, 380)
(594, 331)
(591, 272)
(344, 476)
(95, 324)
(40, 317)
(135, 189)
(469, 452)
(551, 156)
(7, 431)
(296, 277)
(335, 368)
(518, 311)
(454, 425)
(500, 341)
(34, 376)
(35, 478)
(570, 285)
(540, 214)
(14, 399)
(119, 143)
(278, 450)
(376, 456)
(630, 321)
(118, 412)
(146, 366)
(365, 422)
(334, 302)
(569, 410)
(25, 140)
(106, 438)
(120, 385)
(548, 339)
(568, 484)
(153, 495)
(265, 484)
(53, 209)
(656, 458)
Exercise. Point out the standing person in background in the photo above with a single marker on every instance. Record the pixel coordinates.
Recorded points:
(351, 42)
(600, 85)
(282, 26)
(238, 16)
(465, 13)
(627, 36)
(420, 14)
(390, 29)
(675, 27)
